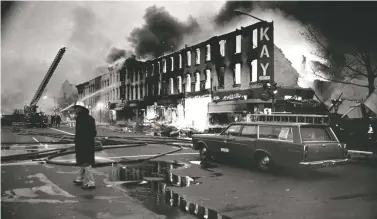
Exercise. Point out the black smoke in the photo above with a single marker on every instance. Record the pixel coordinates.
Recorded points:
(115, 54)
(161, 33)
(342, 23)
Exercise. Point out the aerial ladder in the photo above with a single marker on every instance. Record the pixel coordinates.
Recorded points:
(32, 116)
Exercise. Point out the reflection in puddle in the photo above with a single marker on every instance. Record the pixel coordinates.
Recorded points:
(147, 183)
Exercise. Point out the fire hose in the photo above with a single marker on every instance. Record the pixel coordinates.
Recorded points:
(50, 154)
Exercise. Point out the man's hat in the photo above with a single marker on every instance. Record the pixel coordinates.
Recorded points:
(80, 104)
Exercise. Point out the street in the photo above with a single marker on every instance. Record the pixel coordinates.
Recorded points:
(32, 190)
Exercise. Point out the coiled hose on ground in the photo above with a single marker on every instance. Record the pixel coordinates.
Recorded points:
(102, 143)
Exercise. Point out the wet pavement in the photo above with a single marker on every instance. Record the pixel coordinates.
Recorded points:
(179, 186)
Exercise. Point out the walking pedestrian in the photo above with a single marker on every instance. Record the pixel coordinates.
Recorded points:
(57, 121)
(84, 144)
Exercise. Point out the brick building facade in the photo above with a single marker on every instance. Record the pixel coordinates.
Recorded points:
(207, 82)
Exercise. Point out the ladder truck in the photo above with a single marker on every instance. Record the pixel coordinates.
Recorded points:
(32, 117)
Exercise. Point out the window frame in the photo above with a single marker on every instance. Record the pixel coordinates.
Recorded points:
(277, 139)
(256, 134)
(239, 131)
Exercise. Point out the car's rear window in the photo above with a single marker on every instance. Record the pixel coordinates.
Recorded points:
(316, 134)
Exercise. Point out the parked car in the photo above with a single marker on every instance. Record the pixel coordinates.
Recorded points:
(271, 144)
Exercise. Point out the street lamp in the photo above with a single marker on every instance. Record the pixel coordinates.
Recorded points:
(238, 12)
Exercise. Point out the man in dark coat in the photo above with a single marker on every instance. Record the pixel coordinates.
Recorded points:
(57, 121)
(84, 144)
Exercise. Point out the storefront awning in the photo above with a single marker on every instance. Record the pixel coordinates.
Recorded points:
(233, 106)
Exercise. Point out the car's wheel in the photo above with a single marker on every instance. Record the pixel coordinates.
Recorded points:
(204, 154)
(264, 162)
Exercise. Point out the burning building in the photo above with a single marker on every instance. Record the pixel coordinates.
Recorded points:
(208, 84)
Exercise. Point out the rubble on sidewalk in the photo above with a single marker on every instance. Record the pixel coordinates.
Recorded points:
(152, 127)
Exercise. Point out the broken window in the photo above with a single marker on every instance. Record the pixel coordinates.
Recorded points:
(171, 82)
(188, 58)
(180, 60)
(222, 47)
(197, 81)
(238, 43)
(179, 83)
(237, 73)
(255, 38)
(220, 77)
(208, 57)
(197, 60)
(253, 70)
(164, 66)
(188, 83)
(172, 63)
(208, 79)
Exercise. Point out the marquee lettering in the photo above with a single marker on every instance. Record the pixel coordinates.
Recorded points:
(264, 52)
(263, 33)
(264, 68)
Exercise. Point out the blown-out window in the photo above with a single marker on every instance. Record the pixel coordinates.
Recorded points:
(179, 84)
(172, 63)
(237, 74)
(208, 55)
(171, 83)
(188, 58)
(208, 79)
(238, 43)
(197, 60)
(188, 83)
(222, 47)
(164, 65)
(180, 60)
(197, 81)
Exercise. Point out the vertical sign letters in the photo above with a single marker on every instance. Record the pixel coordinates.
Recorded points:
(266, 52)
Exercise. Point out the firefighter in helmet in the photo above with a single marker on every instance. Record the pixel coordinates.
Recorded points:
(84, 144)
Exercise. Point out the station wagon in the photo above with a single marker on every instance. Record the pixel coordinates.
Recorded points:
(271, 144)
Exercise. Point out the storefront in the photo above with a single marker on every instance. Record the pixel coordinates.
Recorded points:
(196, 111)
(166, 109)
(227, 107)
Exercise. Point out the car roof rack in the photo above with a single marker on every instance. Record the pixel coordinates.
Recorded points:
(292, 118)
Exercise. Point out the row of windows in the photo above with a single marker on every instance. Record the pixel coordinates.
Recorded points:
(222, 44)
(268, 132)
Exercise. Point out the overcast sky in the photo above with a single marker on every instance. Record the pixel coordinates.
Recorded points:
(33, 33)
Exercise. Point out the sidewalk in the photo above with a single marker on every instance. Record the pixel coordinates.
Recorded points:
(48, 192)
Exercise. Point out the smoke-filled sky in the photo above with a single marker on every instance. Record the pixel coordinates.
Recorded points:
(97, 33)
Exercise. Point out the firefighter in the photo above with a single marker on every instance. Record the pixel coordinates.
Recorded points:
(84, 144)
(57, 120)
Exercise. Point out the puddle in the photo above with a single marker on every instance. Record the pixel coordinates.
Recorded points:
(148, 184)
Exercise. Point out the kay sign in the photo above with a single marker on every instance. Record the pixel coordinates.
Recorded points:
(265, 52)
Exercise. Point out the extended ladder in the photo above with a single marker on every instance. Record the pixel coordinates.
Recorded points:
(294, 118)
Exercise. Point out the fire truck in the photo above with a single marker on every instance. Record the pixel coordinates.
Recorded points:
(29, 116)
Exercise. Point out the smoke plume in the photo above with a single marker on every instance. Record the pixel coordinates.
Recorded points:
(115, 54)
(22, 73)
(161, 33)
